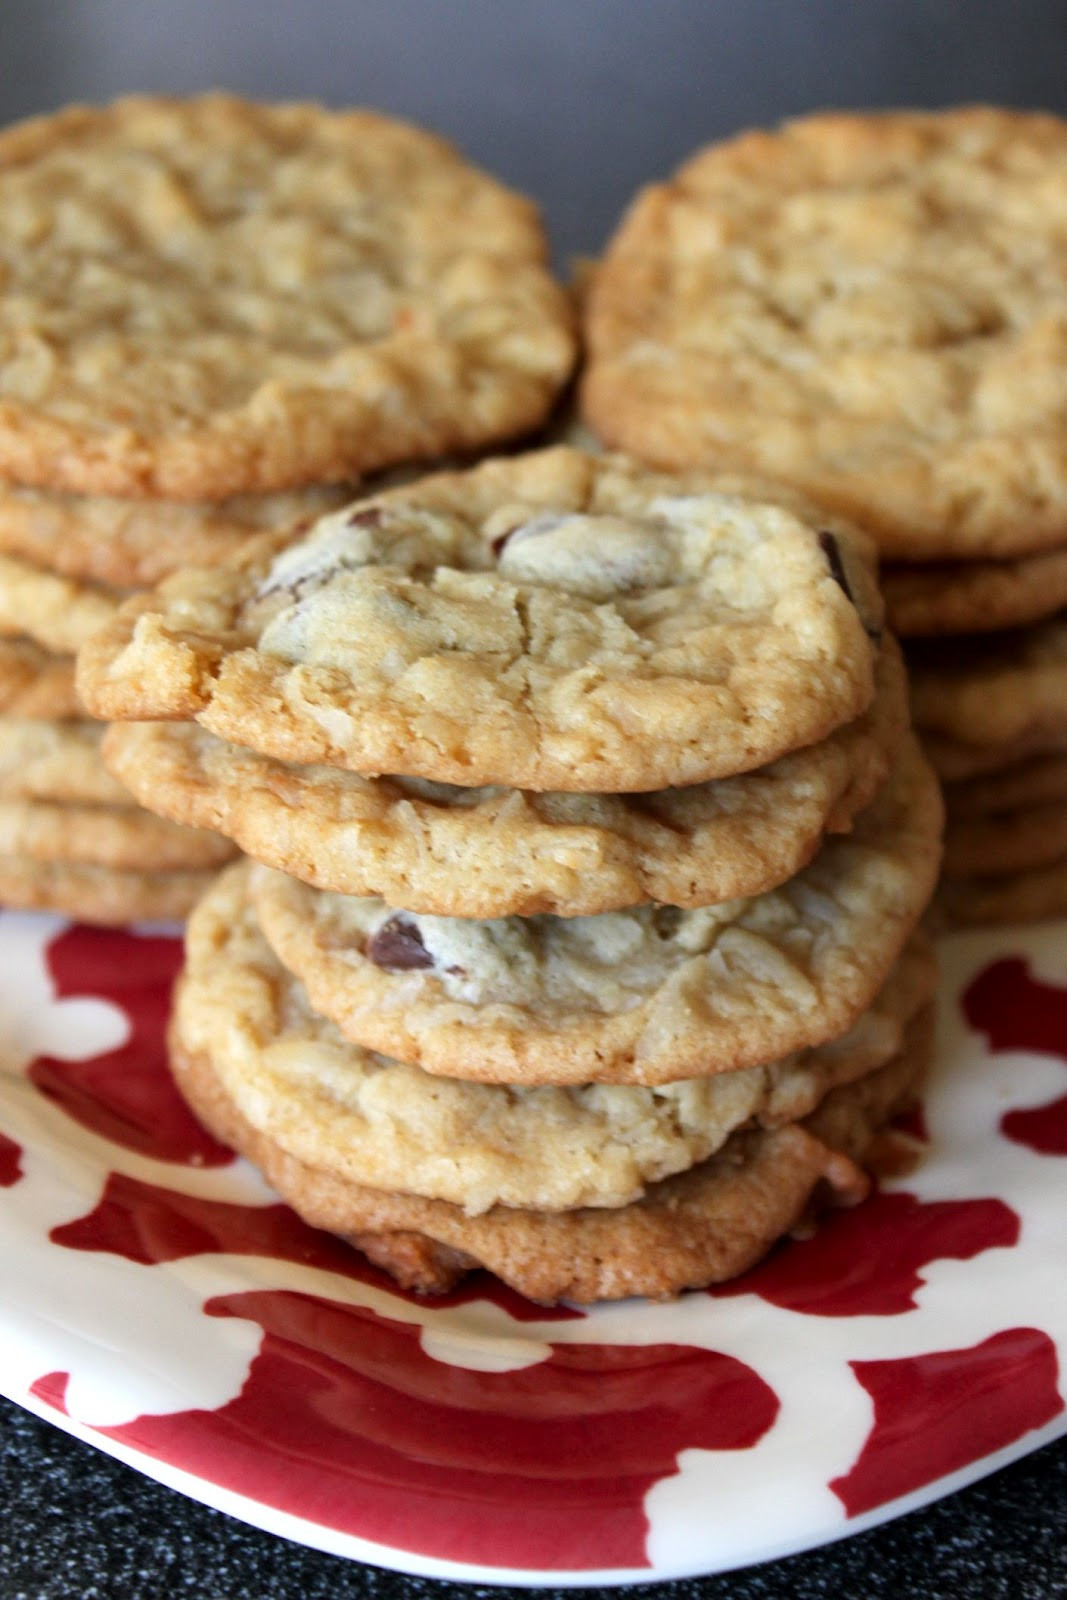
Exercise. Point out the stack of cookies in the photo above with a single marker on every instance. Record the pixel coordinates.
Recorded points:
(210, 311)
(874, 309)
(991, 704)
(617, 971)
(71, 837)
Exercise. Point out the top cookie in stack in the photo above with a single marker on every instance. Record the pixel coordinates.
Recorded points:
(597, 987)
(874, 309)
(211, 312)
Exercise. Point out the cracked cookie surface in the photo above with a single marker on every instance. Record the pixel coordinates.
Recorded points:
(208, 297)
(871, 307)
(553, 621)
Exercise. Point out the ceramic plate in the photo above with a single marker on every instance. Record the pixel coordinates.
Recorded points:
(161, 1304)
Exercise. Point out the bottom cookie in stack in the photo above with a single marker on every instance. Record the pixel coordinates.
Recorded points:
(585, 1192)
(992, 710)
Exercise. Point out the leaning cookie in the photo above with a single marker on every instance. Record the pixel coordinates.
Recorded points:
(499, 852)
(699, 1227)
(551, 621)
(871, 307)
(104, 895)
(644, 996)
(973, 596)
(372, 1120)
(244, 298)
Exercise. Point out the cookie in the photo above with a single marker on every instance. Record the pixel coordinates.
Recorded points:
(35, 683)
(503, 852)
(645, 996)
(134, 543)
(1006, 841)
(974, 596)
(209, 297)
(122, 837)
(58, 613)
(699, 1227)
(956, 762)
(55, 761)
(1032, 896)
(371, 1120)
(1025, 783)
(551, 621)
(1005, 690)
(871, 307)
(91, 893)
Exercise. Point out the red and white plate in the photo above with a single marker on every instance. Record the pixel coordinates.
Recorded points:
(161, 1304)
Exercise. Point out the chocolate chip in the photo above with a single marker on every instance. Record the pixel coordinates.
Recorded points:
(832, 551)
(397, 947)
(666, 920)
(369, 517)
(501, 540)
(540, 522)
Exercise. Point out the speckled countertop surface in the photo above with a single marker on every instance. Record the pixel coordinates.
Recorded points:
(75, 1525)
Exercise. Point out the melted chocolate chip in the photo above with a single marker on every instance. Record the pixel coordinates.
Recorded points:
(397, 947)
(369, 517)
(832, 551)
(502, 538)
(666, 920)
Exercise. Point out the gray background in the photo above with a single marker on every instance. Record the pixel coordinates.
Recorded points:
(575, 101)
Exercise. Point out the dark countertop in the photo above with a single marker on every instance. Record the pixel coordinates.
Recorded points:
(77, 1525)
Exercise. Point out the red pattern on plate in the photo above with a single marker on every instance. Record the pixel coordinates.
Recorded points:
(546, 1467)
(1015, 1011)
(866, 1262)
(1043, 1130)
(936, 1413)
(1018, 1013)
(146, 1223)
(126, 1095)
(913, 1123)
(10, 1162)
